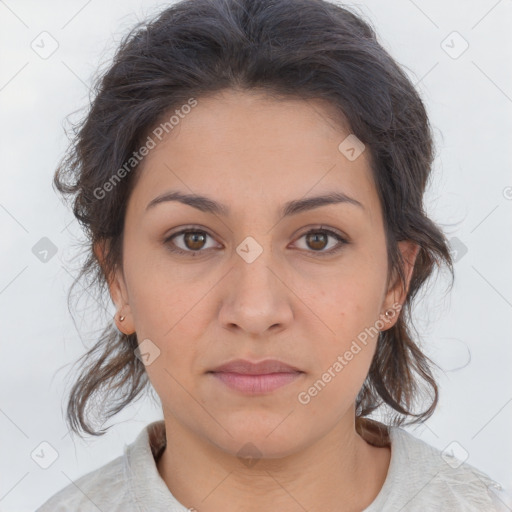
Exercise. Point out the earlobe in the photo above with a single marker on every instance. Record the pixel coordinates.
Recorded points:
(117, 290)
(123, 317)
(123, 320)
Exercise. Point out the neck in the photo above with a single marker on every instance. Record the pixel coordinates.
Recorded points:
(339, 471)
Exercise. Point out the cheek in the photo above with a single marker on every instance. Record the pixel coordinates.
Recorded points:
(333, 390)
(163, 297)
(175, 320)
(342, 359)
(172, 319)
(349, 304)
(351, 300)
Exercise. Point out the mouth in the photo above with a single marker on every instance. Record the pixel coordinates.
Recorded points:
(256, 378)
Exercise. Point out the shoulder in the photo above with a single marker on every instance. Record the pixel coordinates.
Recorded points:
(423, 478)
(110, 486)
(127, 484)
(100, 489)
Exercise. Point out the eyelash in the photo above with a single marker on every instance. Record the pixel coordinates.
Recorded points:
(172, 247)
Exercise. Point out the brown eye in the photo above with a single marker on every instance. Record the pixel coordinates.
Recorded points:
(194, 240)
(316, 240)
(191, 242)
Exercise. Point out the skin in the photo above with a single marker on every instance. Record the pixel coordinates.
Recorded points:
(253, 153)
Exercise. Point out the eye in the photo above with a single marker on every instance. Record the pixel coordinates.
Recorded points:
(318, 240)
(192, 241)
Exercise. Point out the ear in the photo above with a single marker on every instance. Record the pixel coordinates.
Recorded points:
(117, 288)
(397, 291)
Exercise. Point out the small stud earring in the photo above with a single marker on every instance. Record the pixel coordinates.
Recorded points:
(121, 318)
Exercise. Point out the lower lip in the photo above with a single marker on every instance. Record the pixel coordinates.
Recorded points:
(256, 384)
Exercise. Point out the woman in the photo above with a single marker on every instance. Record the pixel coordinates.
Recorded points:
(251, 178)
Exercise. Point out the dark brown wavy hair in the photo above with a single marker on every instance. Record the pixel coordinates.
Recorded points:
(300, 49)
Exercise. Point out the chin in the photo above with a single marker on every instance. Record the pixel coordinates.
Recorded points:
(255, 436)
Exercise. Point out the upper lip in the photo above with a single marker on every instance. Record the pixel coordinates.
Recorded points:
(251, 368)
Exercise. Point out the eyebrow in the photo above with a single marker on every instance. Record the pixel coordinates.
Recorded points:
(208, 205)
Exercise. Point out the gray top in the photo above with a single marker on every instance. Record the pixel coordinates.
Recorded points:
(420, 479)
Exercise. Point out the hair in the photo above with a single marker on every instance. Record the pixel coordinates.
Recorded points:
(297, 49)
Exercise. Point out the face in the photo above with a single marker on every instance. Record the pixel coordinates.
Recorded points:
(261, 277)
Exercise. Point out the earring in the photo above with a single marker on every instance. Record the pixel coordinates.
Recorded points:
(121, 318)
(389, 315)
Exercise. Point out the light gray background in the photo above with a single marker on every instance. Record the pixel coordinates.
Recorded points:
(469, 98)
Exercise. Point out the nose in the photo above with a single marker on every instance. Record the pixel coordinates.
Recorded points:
(256, 298)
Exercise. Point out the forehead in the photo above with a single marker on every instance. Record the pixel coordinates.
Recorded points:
(248, 149)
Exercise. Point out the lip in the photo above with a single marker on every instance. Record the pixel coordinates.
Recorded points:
(256, 378)
(246, 367)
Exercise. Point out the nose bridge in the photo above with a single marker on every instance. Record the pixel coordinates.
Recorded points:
(254, 269)
(256, 298)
